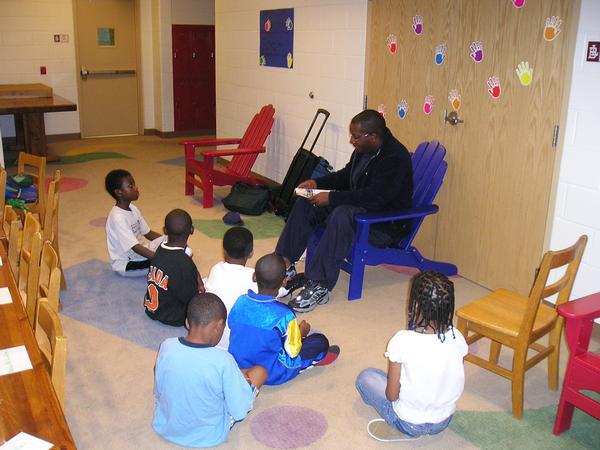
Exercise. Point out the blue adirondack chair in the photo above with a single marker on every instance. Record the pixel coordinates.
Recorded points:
(429, 169)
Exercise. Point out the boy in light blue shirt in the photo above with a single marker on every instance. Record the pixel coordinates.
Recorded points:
(199, 390)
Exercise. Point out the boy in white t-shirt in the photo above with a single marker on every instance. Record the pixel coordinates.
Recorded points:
(426, 374)
(231, 278)
(126, 229)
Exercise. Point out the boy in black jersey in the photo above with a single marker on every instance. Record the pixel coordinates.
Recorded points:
(173, 278)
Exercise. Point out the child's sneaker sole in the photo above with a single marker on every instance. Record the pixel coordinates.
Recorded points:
(379, 430)
(331, 356)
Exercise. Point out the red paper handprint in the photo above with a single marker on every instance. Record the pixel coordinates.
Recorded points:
(494, 86)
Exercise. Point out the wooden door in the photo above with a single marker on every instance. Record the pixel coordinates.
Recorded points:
(194, 77)
(107, 55)
(494, 202)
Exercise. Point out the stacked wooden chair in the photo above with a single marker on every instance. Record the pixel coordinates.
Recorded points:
(36, 266)
(53, 346)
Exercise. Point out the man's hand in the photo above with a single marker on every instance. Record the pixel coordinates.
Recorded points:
(308, 184)
(320, 199)
(304, 328)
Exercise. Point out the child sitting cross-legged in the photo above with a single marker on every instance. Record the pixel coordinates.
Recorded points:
(425, 375)
(231, 278)
(199, 390)
(131, 243)
(266, 332)
(173, 278)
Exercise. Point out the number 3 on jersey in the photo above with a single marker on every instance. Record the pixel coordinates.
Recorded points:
(151, 300)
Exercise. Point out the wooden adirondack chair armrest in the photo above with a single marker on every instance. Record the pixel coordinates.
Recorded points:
(404, 214)
(211, 142)
(585, 308)
(233, 152)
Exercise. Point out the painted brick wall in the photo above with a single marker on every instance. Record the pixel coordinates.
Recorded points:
(26, 43)
(329, 60)
(578, 199)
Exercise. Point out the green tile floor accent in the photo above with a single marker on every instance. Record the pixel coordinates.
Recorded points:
(263, 227)
(85, 157)
(500, 431)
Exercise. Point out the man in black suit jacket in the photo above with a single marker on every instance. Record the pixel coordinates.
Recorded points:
(377, 178)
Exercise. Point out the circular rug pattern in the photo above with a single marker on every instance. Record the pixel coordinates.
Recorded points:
(68, 184)
(98, 222)
(288, 427)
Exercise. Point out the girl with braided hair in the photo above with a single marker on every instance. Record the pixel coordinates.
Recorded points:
(417, 396)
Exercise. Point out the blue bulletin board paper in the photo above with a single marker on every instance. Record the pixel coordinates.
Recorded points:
(277, 38)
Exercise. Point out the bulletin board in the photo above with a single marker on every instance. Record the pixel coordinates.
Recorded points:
(277, 38)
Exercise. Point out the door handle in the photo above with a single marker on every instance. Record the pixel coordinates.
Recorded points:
(452, 118)
(85, 73)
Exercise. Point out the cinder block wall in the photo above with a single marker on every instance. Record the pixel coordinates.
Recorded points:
(577, 208)
(329, 60)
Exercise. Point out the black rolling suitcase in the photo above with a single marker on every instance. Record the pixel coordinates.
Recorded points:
(305, 165)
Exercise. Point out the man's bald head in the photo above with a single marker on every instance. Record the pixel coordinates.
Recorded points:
(270, 271)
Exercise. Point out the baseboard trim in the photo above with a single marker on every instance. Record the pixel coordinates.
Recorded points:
(63, 137)
(174, 134)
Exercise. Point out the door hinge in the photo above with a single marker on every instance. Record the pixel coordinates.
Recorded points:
(174, 55)
(365, 101)
(555, 136)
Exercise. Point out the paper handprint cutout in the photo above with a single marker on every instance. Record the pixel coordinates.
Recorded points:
(454, 99)
(428, 104)
(402, 109)
(392, 43)
(417, 25)
(476, 54)
(381, 109)
(493, 84)
(525, 73)
(552, 28)
(440, 54)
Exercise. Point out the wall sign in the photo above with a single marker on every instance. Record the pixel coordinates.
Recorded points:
(593, 51)
(277, 38)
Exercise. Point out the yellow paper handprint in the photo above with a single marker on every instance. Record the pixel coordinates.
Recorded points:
(525, 73)
(290, 61)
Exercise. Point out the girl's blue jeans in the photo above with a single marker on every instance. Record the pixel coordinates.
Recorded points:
(371, 384)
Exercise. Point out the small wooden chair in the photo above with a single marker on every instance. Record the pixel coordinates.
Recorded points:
(516, 321)
(53, 346)
(50, 219)
(13, 230)
(29, 262)
(35, 166)
(49, 276)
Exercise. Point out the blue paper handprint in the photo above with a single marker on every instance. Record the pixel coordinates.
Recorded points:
(402, 109)
(440, 54)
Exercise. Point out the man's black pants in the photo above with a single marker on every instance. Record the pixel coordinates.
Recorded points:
(334, 245)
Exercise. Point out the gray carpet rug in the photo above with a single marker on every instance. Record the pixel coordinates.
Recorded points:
(99, 297)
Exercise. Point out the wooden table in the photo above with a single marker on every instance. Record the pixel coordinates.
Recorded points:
(27, 399)
(29, 119)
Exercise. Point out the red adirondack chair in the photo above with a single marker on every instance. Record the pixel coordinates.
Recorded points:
(583, 368)
(205, 174)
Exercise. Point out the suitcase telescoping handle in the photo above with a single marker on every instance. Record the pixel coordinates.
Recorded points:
(320, 111)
